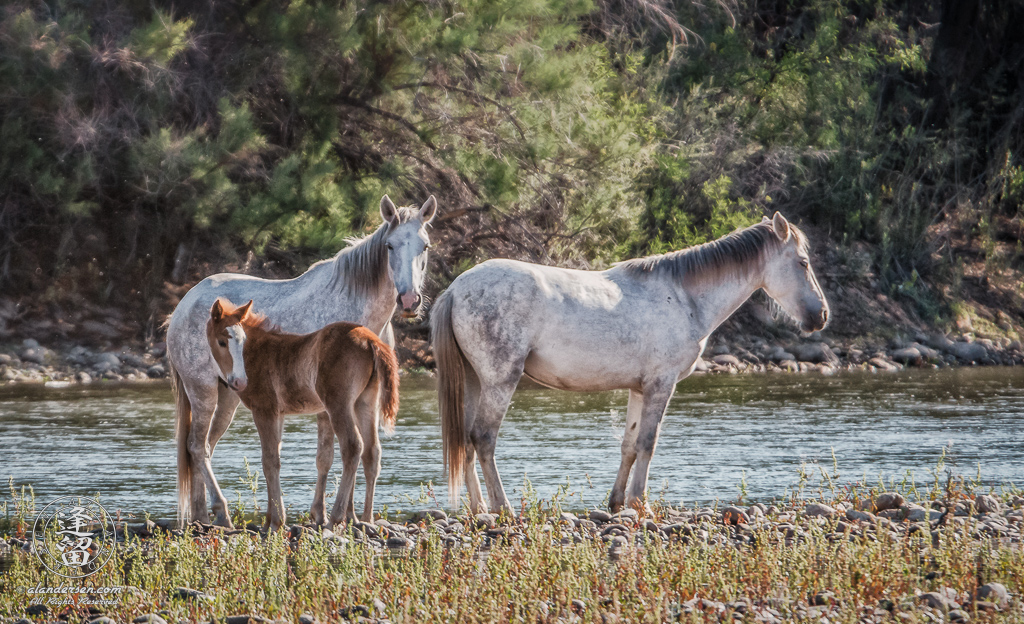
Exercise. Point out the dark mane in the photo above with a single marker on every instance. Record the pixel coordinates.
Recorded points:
(361, 265)
(730, 255)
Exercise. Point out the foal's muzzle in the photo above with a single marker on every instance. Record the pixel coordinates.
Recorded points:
(236, 384)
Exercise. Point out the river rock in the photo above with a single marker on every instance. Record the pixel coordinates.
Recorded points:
(888, 500)
(734, 515)
(149, 618)
(600, 516)
(907, 355)
(106, 362)
(156, 371)
(779, 354)
(818, 510)
(726, 360)
(36, 355)
(995, 593)
(485, 521)
(916, 513)
(396, 542)
(430, 514)
(186, 593)
(854, 515)
(986, 503)
(883, 364)
(968, 351)
(815, 352)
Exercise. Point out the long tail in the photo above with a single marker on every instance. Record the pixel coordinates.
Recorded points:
(385, 366)
(451, 382)
(183, 423)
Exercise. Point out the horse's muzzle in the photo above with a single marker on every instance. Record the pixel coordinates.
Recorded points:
(238, 385)
(409, 303)
(816, 322)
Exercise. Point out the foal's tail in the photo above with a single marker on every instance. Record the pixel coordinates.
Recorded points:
(451, 380)
(385, 366)
(183, 423)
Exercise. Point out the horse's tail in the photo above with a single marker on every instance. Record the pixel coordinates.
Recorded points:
(183, 423)
(451, 382)
(385, 366)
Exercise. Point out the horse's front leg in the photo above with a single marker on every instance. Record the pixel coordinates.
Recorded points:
(629, 436)
(656, 396)
(324, 461)
(227, 403)
(203, 399)
(270, 426)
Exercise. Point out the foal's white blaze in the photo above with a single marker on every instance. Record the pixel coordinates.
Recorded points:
(236, 342)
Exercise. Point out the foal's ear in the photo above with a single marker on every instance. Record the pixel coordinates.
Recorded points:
(243, 311)
(765, 219)
(781, 226)
(217, 311)
(388, 212)
(428, 210)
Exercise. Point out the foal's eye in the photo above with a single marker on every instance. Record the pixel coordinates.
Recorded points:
(804, 263)
(222, 343)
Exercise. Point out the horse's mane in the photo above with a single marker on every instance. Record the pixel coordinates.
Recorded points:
(360, 266)
(730, 255)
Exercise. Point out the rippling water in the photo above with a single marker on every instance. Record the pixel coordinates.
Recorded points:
(720, 431)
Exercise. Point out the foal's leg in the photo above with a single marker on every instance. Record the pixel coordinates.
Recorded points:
(203, 398)
(618, 495)
(227, 403)
(366, 414)
(656, 398)
(342, 412)
(270, 425)
(324, 460)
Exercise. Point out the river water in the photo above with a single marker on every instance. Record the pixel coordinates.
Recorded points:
(723, 435)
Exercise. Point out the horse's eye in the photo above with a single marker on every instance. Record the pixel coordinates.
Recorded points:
(804, 263)
(222, 343)
(427, 246)
(390, 247)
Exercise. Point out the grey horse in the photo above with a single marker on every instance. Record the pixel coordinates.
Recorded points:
(362, 284)
(640, 325)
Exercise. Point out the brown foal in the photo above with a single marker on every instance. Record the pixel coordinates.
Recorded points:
(340, 372)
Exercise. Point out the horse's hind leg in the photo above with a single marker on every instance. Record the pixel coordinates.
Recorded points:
(483, 434)
(366, 415)
(472, 402)
(324, 460)
(633, 409)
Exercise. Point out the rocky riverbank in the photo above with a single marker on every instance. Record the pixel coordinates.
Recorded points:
(30, 362)
(927, 561)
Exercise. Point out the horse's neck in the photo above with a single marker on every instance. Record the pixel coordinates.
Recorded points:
(326, 282)
(714, 302)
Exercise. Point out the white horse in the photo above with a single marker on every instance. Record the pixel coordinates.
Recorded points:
(640, 325)
(362, 284)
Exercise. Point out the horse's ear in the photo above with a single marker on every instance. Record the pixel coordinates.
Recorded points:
(243, 311)
(217, 311)
(781, 226)
(388, 212)
(765, 219)
(428, 210)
